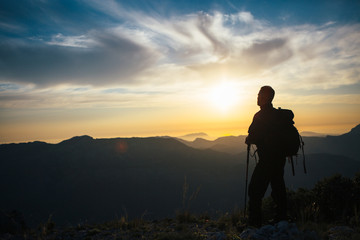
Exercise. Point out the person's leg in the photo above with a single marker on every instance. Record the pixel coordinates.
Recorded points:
(279, 192)
(257, 188)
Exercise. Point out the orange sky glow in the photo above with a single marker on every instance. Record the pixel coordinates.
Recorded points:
(138, 72)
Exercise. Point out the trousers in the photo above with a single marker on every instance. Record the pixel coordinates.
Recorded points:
(269, 171)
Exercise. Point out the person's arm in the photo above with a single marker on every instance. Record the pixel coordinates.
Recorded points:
(254, 131)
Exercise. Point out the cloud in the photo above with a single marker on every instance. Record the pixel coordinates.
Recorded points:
(266, 54)
(72, 97)
(102, 58)
(265, 47)
(347, 99)
(136, 47)
(71, 41)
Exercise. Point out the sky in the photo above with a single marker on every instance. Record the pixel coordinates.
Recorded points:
(108, 68)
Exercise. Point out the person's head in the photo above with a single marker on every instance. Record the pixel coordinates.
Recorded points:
(265, 96)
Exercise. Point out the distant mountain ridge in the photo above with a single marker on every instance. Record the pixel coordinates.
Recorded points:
(78, 139)
(345, 144)
(230, 144)
(87, 179)
(193, 136)
(354, 131)
(312, 134)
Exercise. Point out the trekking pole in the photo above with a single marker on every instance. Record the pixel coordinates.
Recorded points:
(247, 172)
(292, 165)
(303, 153)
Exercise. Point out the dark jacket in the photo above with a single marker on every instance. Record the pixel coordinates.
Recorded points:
(262, 131)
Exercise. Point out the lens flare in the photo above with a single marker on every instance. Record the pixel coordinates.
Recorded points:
(121, 146)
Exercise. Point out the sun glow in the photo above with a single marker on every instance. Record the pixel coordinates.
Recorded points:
(224, 96)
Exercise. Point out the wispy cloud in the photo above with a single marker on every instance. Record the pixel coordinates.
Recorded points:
(81, 41)
(138, 50)
(101, 59)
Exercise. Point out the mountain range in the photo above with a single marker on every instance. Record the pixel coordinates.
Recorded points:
(85, 179)
(193, 136)
(346, 144)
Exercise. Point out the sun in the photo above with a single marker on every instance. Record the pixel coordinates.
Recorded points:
(224, 96)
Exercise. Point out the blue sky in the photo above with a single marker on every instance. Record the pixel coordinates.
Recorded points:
(60, 58)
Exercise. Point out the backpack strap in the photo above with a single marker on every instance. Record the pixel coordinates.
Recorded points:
(254, 155)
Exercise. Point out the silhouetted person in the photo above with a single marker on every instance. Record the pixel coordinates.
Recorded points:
(270, 168)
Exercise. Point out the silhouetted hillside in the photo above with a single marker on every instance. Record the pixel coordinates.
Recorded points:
(96, 179)
(318, 167)
(345, 145)
(193, 136)
(230, 144)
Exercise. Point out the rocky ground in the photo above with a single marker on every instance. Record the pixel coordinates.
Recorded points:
(175, 229)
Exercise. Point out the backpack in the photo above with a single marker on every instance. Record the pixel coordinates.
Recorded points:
(288, 137)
